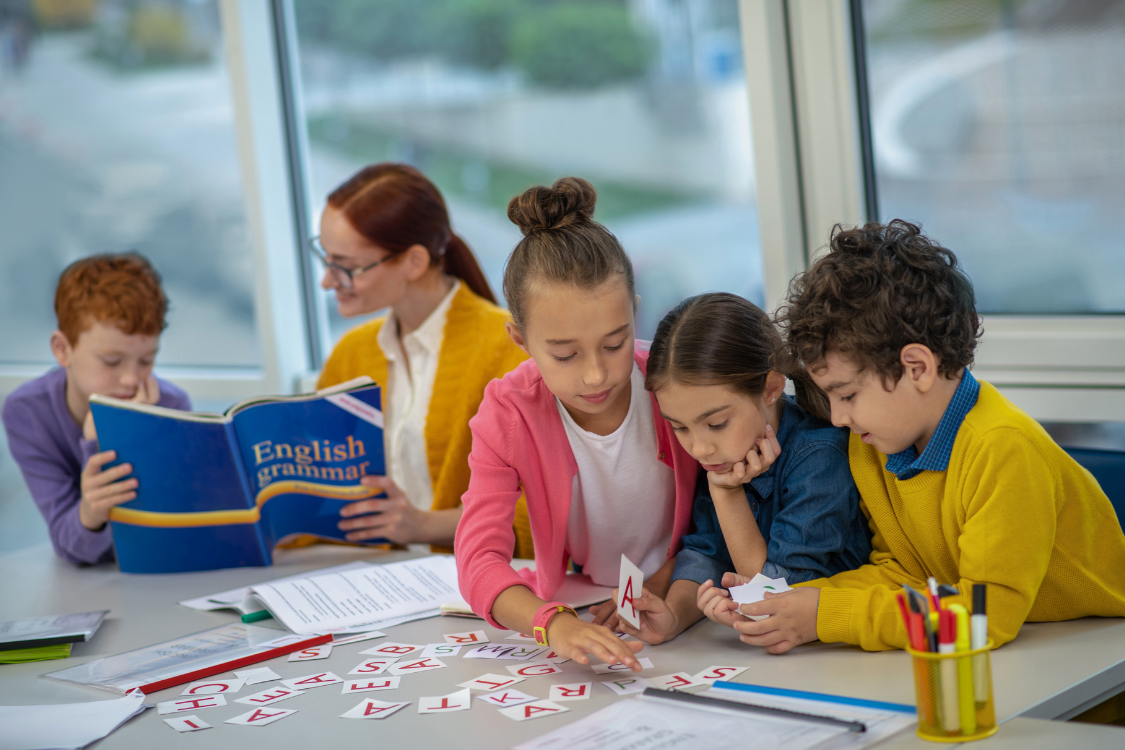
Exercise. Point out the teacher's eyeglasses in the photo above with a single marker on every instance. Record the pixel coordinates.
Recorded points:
(345, 277)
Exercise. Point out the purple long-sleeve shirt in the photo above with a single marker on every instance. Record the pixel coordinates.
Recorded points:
(51, 453)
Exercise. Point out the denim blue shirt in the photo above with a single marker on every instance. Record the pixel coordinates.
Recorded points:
(806, 505)
(906, 464)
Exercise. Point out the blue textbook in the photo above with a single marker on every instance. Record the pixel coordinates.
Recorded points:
(221, 490)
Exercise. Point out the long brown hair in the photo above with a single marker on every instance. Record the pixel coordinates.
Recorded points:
(561, 243)
(723, 339)
(396, 207)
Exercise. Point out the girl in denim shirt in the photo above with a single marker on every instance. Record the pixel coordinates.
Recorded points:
(775, 494)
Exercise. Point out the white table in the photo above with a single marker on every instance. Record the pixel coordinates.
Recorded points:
(1051, 671)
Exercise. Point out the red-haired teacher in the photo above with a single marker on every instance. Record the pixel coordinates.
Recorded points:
(386, 242)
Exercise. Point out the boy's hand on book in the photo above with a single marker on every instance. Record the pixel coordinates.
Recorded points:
(574, 639)
(658, 622)
(791, 620)
(716, 604)
(759, 459)
(148, 392)
(101, 490)
(393, 518)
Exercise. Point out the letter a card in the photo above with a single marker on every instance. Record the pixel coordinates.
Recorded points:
(535, 710)
(628, 588)
(373, 709)
(259, 717)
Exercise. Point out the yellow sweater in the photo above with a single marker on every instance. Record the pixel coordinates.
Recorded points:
(475, 349)
(1013, 510)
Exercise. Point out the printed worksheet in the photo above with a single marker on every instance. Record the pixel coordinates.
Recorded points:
(349, 599)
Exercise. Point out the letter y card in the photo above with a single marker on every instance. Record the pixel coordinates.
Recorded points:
(632, 579)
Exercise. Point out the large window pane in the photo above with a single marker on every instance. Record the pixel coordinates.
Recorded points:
(1000, 124)
(116, 133)
(646, 99)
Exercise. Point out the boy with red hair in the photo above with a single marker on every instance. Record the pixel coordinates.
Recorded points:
(110, 311)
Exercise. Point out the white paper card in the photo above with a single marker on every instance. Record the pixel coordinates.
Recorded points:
(441, 649)
(415, 666)
(373, 709)
(369, 635)
(505, 698)
(719, 673)
(535, 669)
(523, 653)
(627, 685)
(629, 587)
(459, 701)
(644, 661)
(681, 681)
(555, 658)
(489, 651)
(466, 639)
(755, 591)
(534, 710)
(285, 640)
(374, 666)
(260, 717)
(254, 676)
(69, 725)
(371, 683)
(392, 649)
(574, 691)
(211, 687)
(312, 654)
(320, 679)
(266, 697)
(521, 637)
(191, 704)
(491, 682)
(187, 723)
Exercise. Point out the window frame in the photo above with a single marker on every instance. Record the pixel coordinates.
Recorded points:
(1056, 368)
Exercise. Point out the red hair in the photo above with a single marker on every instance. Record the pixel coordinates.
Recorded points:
(123, 289)
(395, 207)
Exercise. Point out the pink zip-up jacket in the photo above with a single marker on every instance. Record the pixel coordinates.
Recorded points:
(520, 444)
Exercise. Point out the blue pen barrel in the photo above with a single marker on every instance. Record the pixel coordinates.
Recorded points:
(950, 708)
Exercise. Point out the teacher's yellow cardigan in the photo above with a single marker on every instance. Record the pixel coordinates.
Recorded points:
(475, 350)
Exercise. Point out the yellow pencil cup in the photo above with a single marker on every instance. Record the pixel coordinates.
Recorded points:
(954, 693)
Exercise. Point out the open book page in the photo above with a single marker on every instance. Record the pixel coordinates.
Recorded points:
(369, 596)
(348, 385)
(233, 598)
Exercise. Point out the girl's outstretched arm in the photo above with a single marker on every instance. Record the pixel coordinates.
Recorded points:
(516, 606)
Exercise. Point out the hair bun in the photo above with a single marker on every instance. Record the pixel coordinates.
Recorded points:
(568, 201)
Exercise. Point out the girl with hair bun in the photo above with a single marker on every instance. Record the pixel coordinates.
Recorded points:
(575, 432)
(386, 243)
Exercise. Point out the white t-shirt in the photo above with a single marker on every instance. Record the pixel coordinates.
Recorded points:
(406, 399)
(623, 499)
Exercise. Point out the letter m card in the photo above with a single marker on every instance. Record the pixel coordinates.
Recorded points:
(629, 588)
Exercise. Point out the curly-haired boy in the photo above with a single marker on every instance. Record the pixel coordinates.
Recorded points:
(956, 481)
(110, 312)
